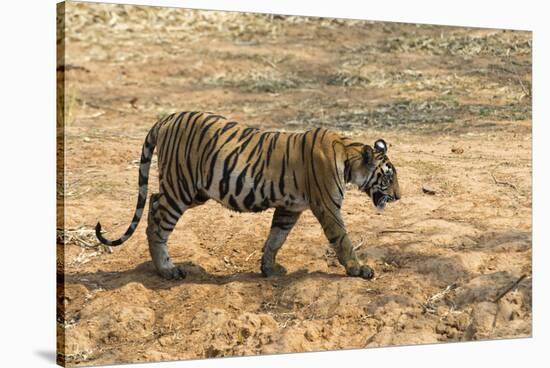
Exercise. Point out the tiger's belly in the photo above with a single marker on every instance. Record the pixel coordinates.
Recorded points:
(258, 198)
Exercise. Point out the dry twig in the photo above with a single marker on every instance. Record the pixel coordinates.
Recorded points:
(250, 255)
(429, 305)
(498, 182)
(82, 236)
(396, 231)
(516, 74)
(509, 288)
(270, 63)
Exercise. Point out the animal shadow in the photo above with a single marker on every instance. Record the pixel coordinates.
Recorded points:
(146, 275)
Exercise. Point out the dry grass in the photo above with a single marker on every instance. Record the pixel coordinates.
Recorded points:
(255, 81)
(81, 236)
(73, 189)
(454, 43)
(348, 79)
(79, 357)
(84, 238)
(430, 305)
(425, 97)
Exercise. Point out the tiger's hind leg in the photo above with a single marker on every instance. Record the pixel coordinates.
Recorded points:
(283, 222)
(160, 223)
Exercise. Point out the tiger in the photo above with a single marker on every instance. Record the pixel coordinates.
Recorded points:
(203, 156)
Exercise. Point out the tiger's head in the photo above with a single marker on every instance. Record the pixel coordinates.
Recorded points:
(374, 174)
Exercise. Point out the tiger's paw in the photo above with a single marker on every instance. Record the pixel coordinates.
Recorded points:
(172, 273)
(274, 270)
(362, 271)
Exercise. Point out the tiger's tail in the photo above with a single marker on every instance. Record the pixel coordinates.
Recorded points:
(144, 165)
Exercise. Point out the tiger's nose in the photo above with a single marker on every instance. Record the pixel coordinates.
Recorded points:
(397, 196)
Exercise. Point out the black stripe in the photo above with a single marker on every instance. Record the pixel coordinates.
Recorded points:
(246, 132)
(188, 150)
(255, 165)
(272, 192)
(270, 148)
(167, 229)
(216, 155)
(166, 213)
(210, 177)
(287, 156)
(304, 146)
(284, 219)
(263, 190)
(233, 203)
(228, 126)
(282, 178)
(170, 151)
(244, 144)
(230, 138)
(171, 132)
(205, 128)
(182, 184)
(208, 149)
(228, 166)
(259, 175)
(258, 146)
(321, 196)
(240, 179)
(249, 199)
(335, 173)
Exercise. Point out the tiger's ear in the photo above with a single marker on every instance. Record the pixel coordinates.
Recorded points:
(367, 153)
(381, 146)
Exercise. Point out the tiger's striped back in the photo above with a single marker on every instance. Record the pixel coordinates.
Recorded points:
(244, 168)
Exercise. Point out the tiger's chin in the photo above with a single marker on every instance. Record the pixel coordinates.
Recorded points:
(380, 201)
(380, 206)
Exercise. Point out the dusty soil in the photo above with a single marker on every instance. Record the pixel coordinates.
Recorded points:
(453, 103)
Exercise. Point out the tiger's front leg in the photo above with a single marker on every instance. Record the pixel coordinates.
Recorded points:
(335, 231)
(283, 222)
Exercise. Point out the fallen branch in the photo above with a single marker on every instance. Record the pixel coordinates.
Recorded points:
(395, 231)
(66, 67)
(509, 288)
(498, 182)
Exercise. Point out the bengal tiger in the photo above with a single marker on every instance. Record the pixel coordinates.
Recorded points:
(204, 156)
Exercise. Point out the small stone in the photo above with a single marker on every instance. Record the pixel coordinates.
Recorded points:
(165, 340)
(457, 150)
(461, 321)
(441, 328)
(452, 333)
(311, 335)
(427, 189)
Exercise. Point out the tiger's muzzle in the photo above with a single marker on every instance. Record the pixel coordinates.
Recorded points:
(381, 199)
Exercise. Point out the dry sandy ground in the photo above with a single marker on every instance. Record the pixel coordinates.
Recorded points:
(453, 103)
